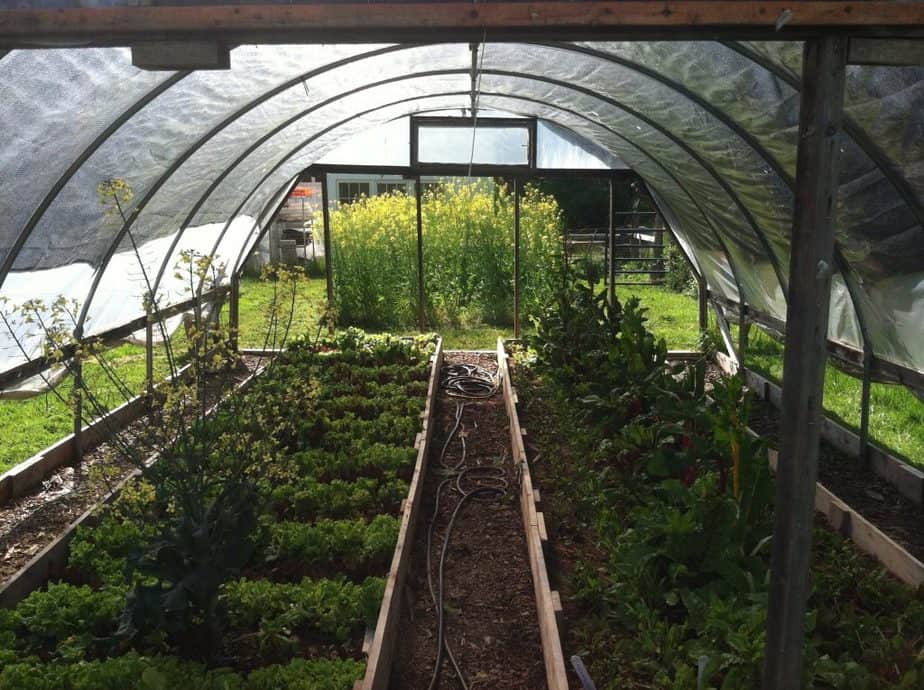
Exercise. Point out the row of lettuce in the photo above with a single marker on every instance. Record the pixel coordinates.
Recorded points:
(253, 560)
(662, 509)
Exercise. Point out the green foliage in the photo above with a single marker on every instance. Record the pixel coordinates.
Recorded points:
(102, 552)
(468, 256)
(305, 674)
(351, 544)
(332, 608)
(679, 278)
(67, 619)
(308, 498)
(135, 672)
(676, 499)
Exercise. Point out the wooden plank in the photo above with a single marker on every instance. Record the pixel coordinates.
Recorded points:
(24, 477)
(51, 560)
(534, 525)
(869, 538)
(811, 268)
(683, 355)
(381, 651)
(540, 524)
(908, 480)
(351, 22)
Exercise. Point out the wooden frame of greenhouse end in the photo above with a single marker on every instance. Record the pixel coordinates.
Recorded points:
(517, 173)
(168, 32)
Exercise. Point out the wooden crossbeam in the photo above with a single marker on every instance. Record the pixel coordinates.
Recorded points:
(401, 21)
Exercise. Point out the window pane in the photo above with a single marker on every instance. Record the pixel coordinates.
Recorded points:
(492, 146)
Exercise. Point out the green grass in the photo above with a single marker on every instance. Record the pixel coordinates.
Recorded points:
(896, 415)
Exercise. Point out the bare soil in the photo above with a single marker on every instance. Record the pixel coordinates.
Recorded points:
(491, 621)
(30, 523)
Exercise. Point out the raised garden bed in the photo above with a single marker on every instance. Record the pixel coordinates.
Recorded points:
(331, 485)
(659, 506)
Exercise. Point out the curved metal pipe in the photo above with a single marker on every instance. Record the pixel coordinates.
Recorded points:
(52, 194)
(253, 147)
(182, 158)
(619, 135)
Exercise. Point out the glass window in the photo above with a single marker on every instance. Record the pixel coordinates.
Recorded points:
(493, 145)
(391, 188)
(348, 192)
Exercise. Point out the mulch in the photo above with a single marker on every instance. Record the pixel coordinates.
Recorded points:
(491, 620)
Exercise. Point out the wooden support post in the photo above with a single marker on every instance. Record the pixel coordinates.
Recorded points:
(812, 258)
(742, 329)
(77, 392)
(516, 257)
(863, 455)
(149, 356)
(702, 293)
(611, 260)
(234, 311)
(421, 297)
(328, 269)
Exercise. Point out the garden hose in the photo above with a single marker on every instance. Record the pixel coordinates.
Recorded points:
(468, 381)
(475, 483)
(578, 665)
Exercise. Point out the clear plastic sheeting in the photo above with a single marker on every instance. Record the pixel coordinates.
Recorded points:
(711, 127)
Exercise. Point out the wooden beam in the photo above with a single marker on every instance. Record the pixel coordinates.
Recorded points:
(421, 297)
(234, 311)
(181, 55)
(400, 21)
(39, 364)
(328, 270)
(899, 52)
(811, 267)
(516, 258)
(548, 604)
(611, 251)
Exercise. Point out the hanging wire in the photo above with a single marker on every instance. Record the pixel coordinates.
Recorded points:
(476, 92)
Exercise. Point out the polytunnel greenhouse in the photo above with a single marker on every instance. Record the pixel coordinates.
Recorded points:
(312, 506)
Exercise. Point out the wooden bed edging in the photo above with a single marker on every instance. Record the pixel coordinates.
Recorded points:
(848, 522)
(869, 538)
(50, 561)
(381, 651)
(548, 602)
(24, 477)
(908, 480)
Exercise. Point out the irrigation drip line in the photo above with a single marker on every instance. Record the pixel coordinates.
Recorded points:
(468, 381)
(480, 483)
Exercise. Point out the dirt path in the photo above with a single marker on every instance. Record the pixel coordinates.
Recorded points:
(490, 618)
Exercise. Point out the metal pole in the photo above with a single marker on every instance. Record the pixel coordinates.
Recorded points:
(420, 258)
(328, 259)
(234, 312)
(516, 258)
(611, 258)
(812, 258)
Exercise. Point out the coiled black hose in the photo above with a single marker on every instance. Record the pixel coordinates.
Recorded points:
(471, 483)
(468, 381)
